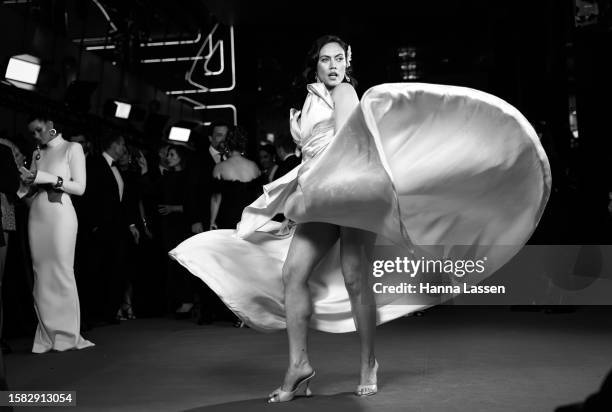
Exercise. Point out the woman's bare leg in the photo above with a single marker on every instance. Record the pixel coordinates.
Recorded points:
(356, 248)
(309, 245)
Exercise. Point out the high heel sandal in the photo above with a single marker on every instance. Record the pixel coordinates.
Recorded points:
(279, 395)
(125, 312)
(368, 390)
(128, 312)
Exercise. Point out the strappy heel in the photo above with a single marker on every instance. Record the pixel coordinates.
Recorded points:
(279, 395)
(368, 390)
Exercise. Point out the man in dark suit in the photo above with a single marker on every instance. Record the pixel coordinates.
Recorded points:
(285, 150)
(214, 153)
(9, 183)
(198, 208)
(111, 224)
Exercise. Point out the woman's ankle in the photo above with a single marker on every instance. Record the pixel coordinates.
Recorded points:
(302, 364)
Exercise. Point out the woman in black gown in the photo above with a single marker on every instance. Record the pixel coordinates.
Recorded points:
(238, 182)
(175, 227)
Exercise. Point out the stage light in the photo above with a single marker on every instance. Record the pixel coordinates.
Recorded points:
(179, 134)
(23, 70)
(123, 110)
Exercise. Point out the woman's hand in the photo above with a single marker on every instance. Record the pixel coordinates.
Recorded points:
(167, 209)
(213, 226)
(26, 176)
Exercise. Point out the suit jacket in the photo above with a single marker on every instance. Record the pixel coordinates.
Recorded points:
(9, 178)
(200, 179)
(285, 166)
(103, 207)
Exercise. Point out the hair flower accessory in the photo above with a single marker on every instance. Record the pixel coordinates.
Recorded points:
(349, 55)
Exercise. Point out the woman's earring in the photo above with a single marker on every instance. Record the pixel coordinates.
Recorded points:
(52, 132)
(348, 79)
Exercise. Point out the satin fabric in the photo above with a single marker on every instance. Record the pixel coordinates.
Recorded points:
(52, 229)
(437, 170)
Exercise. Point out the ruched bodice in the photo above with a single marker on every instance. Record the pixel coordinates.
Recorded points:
(313, 127)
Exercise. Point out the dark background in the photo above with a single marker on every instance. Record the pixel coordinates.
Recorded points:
(546, 57)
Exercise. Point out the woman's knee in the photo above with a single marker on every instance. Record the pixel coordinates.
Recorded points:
(293, 275)
(352, 277)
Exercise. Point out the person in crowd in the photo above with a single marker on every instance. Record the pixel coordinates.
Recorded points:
(237, 184)
(111, 223)
(201, 179)
(9, 183)
(201, 176)
(162, 155)
(152, 295)
(285, 150)
(267, 162)
(131, 171)
(173, 193)
(57, 172)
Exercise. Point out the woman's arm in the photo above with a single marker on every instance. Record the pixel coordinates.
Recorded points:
(215, 202)
(76, 162)
(27, 187)
(215, 198)
(345, 100)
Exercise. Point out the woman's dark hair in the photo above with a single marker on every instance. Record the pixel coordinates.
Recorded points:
(43, 117)
(313, 58)
(181, 152)
(236, 141)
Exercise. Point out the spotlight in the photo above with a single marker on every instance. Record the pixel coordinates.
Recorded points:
(179, 134)
(22, 71)
(123, 110)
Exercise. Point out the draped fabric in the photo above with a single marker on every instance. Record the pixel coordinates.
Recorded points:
(426, 167)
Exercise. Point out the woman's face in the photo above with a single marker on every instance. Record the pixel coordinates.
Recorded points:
(331, 66)
(40, 130)
(172, 158)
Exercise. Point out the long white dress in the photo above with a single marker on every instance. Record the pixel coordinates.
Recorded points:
(52, 229)
(421, 165)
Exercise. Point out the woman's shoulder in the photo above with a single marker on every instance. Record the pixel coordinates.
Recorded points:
(343, 91)
(218, 169)
(74, 146)
(75, 149)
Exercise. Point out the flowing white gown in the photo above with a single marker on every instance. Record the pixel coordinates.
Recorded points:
(52, 229)
(418, 164)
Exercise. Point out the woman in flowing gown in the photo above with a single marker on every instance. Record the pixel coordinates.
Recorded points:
(57, 172)
(418, 165)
